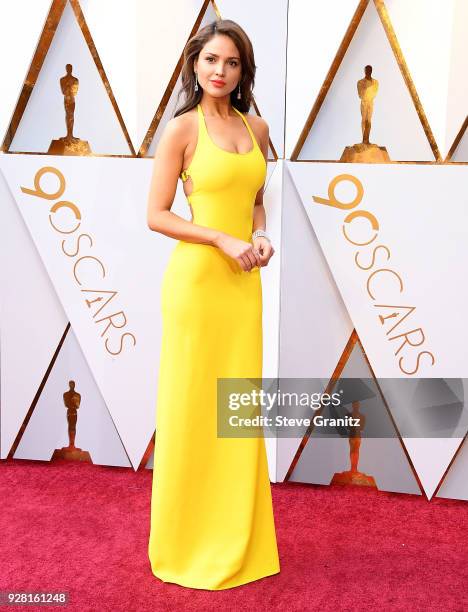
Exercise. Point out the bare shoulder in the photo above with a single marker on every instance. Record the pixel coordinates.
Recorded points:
(257, 122)
(184, 120)
(259, 126)
(260, 129)
(181, 128)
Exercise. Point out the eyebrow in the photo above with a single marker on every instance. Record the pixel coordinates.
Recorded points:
(232, 57)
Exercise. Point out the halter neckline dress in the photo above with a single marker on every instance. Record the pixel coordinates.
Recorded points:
(212, 522)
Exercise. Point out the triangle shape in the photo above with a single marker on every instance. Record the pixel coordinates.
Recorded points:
(457, 98)
(430, 416)
(419, 278)
(147, 460)
(312, 310)
(27, 18)
(327, 453)
(459, 149)
(431, 457)
(455, 485)
(32, 319)
(311, 305)
(46, 433)
(96, 118)
(120, 265)
(418, 25)
(322, 31)
(436, 68)
(389, 194)
(290, 448)
(398, 121)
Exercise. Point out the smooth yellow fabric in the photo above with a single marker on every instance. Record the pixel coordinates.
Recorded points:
(212, 524)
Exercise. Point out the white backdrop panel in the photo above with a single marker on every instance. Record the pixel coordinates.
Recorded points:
(461, 152)
(111, 195)
(455, 484)
(315, 325)
(405, 202)
(382, 458)
(315, 32)
(271, 289)
(395, 122)
(44, 116)
(424, 32)
(432, 35)
(32, 319)
(457, 99)
(21, 23)
(140, 51)
(47, 429)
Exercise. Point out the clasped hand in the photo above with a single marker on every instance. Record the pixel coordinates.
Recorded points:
(246, 254)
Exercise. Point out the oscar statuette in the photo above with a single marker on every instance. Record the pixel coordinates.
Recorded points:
(69, 144)
(72, 401)
(366, 151)
(354, 476)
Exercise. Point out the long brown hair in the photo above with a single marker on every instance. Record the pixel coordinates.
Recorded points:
(195, 45)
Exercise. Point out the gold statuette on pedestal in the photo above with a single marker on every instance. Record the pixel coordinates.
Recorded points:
(72, 401)
(69, 144)
(366, 151)
(353, 476)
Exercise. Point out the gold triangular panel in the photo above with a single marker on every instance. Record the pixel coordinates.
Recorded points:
(69, 420)
(329, 453)
(383, 111)
(68, 89)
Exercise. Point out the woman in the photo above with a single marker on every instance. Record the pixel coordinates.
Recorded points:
(212, 523)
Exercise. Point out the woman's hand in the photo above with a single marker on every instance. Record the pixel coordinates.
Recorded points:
(246, 255)
(265, 248)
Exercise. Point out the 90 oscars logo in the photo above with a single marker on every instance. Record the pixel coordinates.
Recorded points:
(391, 282)
(114, 320)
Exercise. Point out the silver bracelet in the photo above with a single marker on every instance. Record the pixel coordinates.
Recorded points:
(262, 233)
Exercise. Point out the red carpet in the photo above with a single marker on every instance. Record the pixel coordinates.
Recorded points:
(84, 529)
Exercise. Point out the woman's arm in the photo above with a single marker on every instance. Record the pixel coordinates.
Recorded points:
(259, 216)
(168, 161)
(263, 245)
(167, 165)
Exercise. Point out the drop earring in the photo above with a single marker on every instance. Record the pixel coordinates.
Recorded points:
(196, 82)
(239, 95)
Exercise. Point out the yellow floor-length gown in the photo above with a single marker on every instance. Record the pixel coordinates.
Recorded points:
(212, 524)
